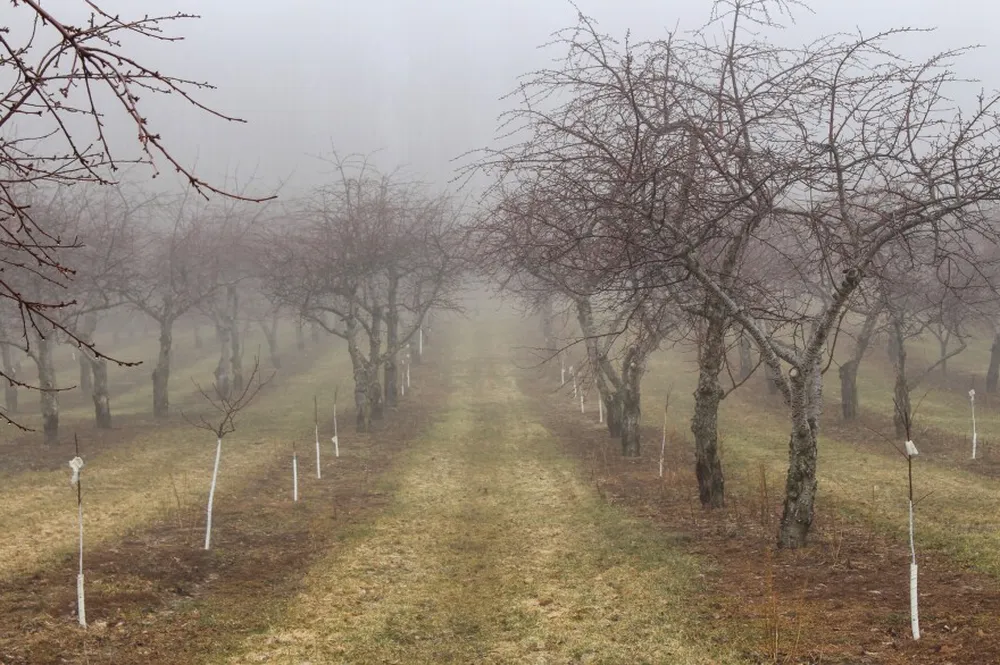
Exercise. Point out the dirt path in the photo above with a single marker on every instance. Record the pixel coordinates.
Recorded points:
(494, 550)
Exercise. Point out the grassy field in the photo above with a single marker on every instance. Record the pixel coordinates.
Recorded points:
(488, 521)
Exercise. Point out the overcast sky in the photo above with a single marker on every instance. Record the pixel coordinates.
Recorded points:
(422, 79)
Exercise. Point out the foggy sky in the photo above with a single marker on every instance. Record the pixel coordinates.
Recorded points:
(421, 80)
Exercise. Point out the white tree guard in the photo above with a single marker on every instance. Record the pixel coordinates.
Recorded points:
(972, 403)
(211, 494)
(336, 439)
(600, 409)
(911, 451)
(663, 446)
(914, 596)
(583, 409)
(407, 372)
(420, 341)
(81, 605)
(295, 477)
(319, 470)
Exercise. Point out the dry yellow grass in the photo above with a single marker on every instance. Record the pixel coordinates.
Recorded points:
(144, 478)
(958, 516)
(494, 551)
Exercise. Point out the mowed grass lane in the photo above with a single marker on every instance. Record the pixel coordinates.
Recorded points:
(494, 550)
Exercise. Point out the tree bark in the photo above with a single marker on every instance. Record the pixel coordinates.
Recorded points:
(746, 357)
(360, 371)
(86, 335)
(102, 402)
(901, 389)
(47, 385)
(161, 374)
(10, 390)
(609, 384)
(993, 372)
(704, 422)
(391, 340)
(235, 350)
(270, 329)
(223, 386)
(372, 375)
(800, 483)
(849, 389)
(633, 367)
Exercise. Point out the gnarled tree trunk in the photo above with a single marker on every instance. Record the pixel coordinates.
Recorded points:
(704, 422)
(633, 367)
(800, 483)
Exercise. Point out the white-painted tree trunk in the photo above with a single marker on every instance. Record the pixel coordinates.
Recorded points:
(211, 494)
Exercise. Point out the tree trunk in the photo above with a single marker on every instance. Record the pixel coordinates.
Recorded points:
(548, 330)
(86, 335)
(632, 370)
(993, 372)
(800, 483)
(746, 357)
(223, 386)
(235, 351)
(10, 390)
(613, 414)
(300, 335)
(901, 390)
(704, 422)
(102, 402)
(270, 330)
(360, 368)
(47, 385)
(391, 340)
(372, 375)
(198, 343)
(161, 374)
(849, 389)
(86, 378)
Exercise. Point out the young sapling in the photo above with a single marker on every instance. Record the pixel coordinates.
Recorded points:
(76, 464)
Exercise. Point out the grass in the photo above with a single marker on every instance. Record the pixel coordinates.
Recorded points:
(160, 470)
(860, 482)
(492, 551)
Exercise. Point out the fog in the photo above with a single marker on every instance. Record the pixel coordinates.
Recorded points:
(423, 82)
